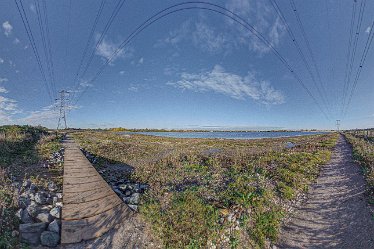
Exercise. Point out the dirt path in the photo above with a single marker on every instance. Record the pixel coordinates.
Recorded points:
(336, 213)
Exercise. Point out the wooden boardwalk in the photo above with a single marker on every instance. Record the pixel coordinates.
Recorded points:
(90, 206)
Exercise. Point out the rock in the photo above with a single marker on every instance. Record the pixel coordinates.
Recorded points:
(24, 201)
(32, 196)
(49, 201)
(44, 217)
(52, 186)
(26, 184)
(49, 239)
(127, 192)
(54, 201)
(19, 213)
(134, 199)
(32, 209)
(56, 212)
(30, 233)
(40, 198)
(54, 226)
(24, 216)
(133, 207)
(122, 187)
(59, 195)
(15, 233)
(59, 204)
(33, 188)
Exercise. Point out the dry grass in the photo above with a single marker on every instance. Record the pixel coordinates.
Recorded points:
(230, 193)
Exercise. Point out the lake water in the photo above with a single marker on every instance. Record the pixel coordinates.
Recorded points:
(227, 134)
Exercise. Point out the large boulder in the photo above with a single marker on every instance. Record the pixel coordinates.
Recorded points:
(50, 239)
(30, 233)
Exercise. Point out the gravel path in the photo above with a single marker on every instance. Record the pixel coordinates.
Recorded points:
(336, 213)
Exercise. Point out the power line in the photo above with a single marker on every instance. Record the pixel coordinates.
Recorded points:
(231, 15)
(361, 65)
(296, 43)
(101, 38)
(42, 30)
(26, 24)
(353, 55)
(320, 88)
(92, 32)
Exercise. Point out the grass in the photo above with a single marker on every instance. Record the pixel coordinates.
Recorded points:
(228, 193)
(22, 149)
(363, 152)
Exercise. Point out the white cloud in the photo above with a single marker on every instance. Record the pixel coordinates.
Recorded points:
(133, 89)
(230, 35)
(232, 85)
(208, 39)
(1, 60)
(106, 49)
(122, 72)
(3, 90)
(368, 29)
(16, 41)
(7, 28)
(8, 108)
(264, 19)
(3, 80)
(141, 60)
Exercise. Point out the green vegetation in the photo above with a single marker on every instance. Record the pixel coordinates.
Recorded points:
(363, 152)
(229, 193)
(22, 150)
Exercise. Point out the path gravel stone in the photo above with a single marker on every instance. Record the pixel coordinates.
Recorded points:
(336, 212)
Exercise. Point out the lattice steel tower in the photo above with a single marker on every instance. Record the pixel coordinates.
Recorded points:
(63, 99)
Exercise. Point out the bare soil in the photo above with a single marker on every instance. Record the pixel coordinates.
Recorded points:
(336, 213)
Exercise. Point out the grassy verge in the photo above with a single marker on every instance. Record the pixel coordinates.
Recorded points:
(205, 192)
(22, 150)
(363, 152)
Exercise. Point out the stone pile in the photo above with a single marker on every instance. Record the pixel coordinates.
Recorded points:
(57, 158)
(39, 214)
(130, 192)
(89, 156)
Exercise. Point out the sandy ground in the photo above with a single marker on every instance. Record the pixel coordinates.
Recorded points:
(336, 213)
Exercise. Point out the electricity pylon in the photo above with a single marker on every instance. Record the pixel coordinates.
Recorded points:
(337, 124)
(63, 99)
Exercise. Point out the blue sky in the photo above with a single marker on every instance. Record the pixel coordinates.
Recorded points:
(192, 69)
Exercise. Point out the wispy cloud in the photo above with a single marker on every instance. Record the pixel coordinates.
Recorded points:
(1, 60)
(7, 28)
(8, 108)
(3, 80)
(260, 15)
(207, 37)
(368, 29)
(230, 84)
(106, 49)
(16, 41)
(3, 90)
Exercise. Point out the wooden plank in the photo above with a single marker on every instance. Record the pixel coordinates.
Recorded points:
(73, 231)
(88, 195)
(90, 208)
(90, 205)
(82, 180)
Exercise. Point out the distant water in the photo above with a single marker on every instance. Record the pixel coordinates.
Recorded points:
(228, 134)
